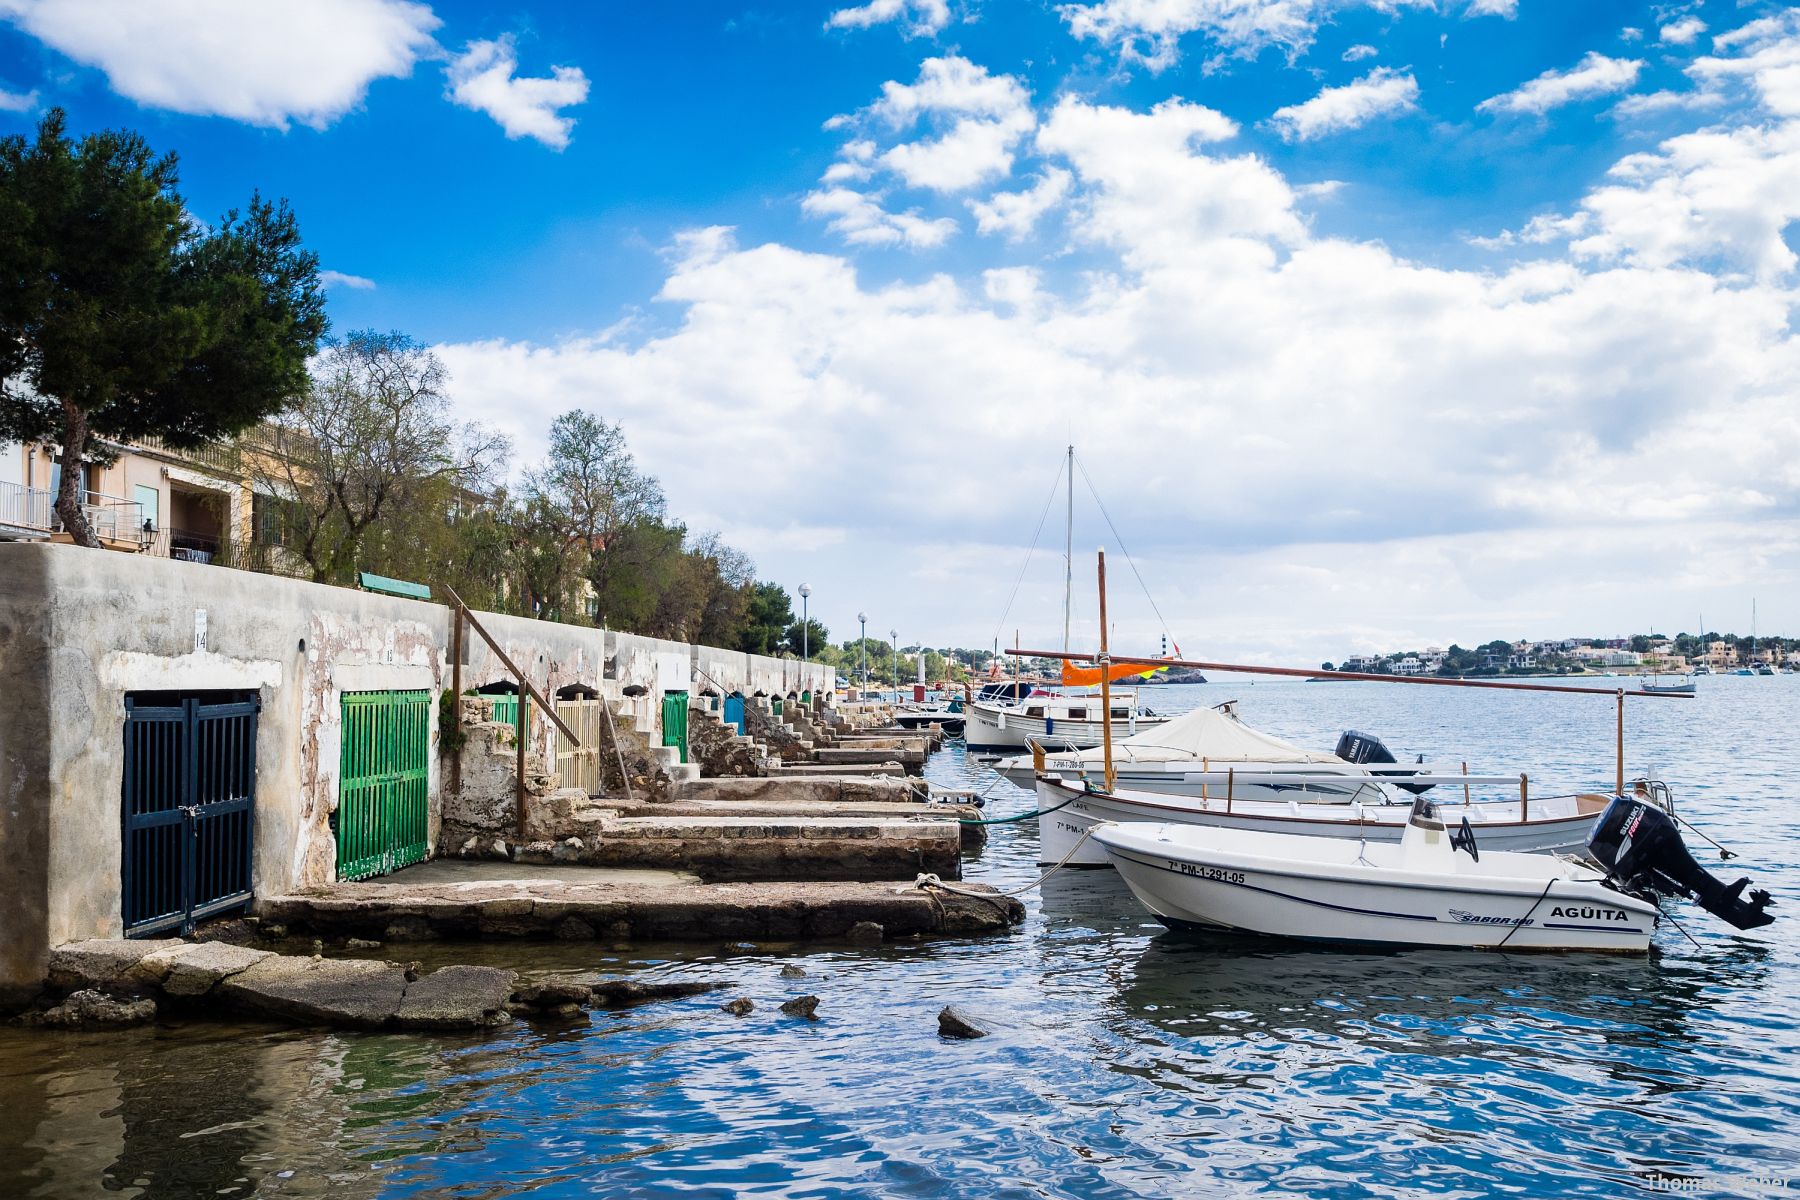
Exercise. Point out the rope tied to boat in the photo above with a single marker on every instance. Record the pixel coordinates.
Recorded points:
(1024, 816)
(929, 883)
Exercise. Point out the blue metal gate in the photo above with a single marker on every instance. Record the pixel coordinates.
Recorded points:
(734, 711)
(188, 810)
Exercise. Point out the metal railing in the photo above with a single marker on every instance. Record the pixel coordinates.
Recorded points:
(26, 507)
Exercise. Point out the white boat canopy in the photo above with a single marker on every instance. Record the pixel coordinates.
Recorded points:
(1213, 735)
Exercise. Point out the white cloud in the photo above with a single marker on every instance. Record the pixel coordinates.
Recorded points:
(1625, 396)
(485, 77)
(1150, 31)
(259, 61)
(979, 120)
(1594, 75)
(922, 18)
(339, 279)
(861, 220)
(18, 101)
(1359, 52)
(1681, 32)
(1016, 214)
(1382, 92)
(1652, 103)
(1493, 8)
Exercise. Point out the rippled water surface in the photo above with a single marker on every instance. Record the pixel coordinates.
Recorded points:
(1127, 1061)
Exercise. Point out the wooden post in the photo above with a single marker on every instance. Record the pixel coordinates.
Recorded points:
(1524, 798)
(519, 764)
(456, 657)
(1105, 680)
(1619, 771)
(1465, 786)
(1230, 785)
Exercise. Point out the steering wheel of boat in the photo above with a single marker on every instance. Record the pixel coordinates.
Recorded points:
(1464, 839)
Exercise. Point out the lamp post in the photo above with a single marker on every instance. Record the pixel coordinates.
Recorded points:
(805, 644)
(862, 646)
(894, 668)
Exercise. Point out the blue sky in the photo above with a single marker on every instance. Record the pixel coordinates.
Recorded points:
(1380, 323)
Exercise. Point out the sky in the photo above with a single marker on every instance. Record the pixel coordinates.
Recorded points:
(1375, 324)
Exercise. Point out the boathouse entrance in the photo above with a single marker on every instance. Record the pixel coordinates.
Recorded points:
(383, 782)
(675, 721)
(578, 766)
(188, 808)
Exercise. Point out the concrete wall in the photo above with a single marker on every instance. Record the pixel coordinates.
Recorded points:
(79, 629)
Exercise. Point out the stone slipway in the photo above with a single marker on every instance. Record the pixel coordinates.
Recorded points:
(568, 908)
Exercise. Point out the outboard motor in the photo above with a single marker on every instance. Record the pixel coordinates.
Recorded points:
(1641, 848)
(1367, 748)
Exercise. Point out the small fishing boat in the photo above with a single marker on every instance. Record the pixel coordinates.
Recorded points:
(1669, 685)
(1431, 888)
(1529, 824)
(1073, 722)
(948, 716)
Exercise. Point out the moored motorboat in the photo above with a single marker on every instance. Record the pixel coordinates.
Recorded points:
(1530, 824)
(1211, 751)
(1429, 888)
(1071, 722)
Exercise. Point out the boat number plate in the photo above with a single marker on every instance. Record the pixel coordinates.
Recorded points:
(1199, 872)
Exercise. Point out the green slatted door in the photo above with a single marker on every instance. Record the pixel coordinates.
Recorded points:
(674, 721)
(383, 779)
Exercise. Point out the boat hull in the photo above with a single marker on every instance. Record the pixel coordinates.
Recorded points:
(1188, 887)
(1066, 813)
(988, 727)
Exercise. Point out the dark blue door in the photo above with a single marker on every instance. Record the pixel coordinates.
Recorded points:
(188, 808)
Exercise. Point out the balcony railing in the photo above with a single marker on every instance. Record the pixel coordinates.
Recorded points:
(215, 456)
(113, 518)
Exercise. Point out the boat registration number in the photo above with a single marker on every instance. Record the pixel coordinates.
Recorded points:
(1218, 874)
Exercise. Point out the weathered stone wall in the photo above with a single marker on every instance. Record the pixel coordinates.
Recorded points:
(718, 748)
(80, 629)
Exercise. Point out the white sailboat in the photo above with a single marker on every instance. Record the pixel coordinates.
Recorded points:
(1069, 722)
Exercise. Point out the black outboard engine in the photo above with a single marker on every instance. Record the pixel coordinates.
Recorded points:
(1641, 848)
(1367, 748)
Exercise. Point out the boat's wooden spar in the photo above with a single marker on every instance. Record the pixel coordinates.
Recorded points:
(1303, 673)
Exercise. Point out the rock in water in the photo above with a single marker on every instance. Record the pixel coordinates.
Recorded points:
(739, 1007)
(802, 1006)
(618, 993)
(88, 1009)
(792, 972)
(865, 933)
(953, 1023)
(457, 998)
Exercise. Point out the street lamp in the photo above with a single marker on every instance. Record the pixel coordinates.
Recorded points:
(894, 669)
(805, 645)
(862, 646)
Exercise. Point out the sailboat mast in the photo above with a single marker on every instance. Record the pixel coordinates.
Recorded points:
(1069, 549)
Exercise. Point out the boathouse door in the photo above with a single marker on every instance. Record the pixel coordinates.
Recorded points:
(384, 780)
(188, 808)
(674, 721)
(734, 711)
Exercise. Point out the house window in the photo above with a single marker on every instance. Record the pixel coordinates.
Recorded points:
(148, 500)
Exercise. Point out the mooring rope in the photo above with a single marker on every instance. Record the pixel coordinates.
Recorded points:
(1024, 816)
(928, 883)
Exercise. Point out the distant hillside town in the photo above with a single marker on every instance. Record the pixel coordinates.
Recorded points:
(1644, 652)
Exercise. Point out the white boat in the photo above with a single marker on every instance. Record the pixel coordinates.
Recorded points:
(923, 716)
(1071, 722)
(1530, 825)
(1211, 750)
(1417, 891)
(1667, 685)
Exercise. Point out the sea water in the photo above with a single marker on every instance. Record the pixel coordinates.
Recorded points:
(1124, 1060)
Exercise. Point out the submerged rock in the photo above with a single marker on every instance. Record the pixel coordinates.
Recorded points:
(620, 993)
(457, 998)
(357, 943)
(739, 1007)
(954, 1023)
(88, 1009)
(793, 972)
(865, 933)
(553, 993)
(802, 1006)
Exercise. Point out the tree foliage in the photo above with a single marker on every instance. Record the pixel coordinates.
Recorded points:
(122, 317)
(373, 437)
